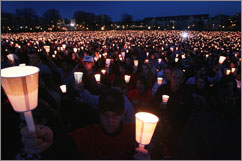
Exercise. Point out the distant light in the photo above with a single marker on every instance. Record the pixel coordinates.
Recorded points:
(72, 24)
(184, 35)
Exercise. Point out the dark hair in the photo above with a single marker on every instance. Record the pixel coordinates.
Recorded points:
(119, 82)
(111, 100)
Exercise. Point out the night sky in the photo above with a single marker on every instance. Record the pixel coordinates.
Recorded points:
(138, 9)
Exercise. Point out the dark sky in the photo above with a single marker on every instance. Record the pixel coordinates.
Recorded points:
(138, 9)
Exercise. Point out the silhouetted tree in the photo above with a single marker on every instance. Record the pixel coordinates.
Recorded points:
(50, 17)
(126, 18)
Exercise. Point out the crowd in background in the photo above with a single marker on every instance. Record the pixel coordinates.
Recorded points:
(201, 120)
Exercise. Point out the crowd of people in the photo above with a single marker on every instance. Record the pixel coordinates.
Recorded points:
(95, 119)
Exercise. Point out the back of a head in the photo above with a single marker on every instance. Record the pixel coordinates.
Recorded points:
(111, 100)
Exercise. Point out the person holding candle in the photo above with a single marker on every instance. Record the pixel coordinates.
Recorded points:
(179, 107)
(86, 97)
(111, 139)
(141, 96)
(166, 74)
(34, 60)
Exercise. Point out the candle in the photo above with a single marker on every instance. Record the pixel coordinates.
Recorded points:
(159, 60)
(159, 80)
(20, 84)
(176, 60)
(233, 70)
(78, 77)
(127, 78)
(165, 98)
(145, 124)
(97, 77)
(136, 63)
(222, 59)
(103, 71)
(228, 71)
(47, 48)
(75, 50)
(108, 61)
(63, 88)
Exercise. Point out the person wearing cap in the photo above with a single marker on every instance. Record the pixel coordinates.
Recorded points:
(111, 139)
(88, 75)
(119, 84)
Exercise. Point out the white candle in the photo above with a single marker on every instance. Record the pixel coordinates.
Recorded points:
(103, 71)
(159, 60)
(165, 98)
(97, 77)
(78, 77)
(136, 63)
(145, 124)
(176, 60)
(222, 59)
(63, 88)
(159, 80)
(75, 50)
(127, 78)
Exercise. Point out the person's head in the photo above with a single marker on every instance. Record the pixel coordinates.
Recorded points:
(67, 64)
(111, 110)
(201, 71)
(167, 74)
(120, 85)
(201, 83)
(145, 68)
(142, 84)
(34, 59)
(229, 84)
(176, 79)
(88, 62)
(123, 68)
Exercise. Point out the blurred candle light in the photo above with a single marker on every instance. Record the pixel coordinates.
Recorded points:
(103, 71)
(136, 63)
(78, 77)
(233, 70)
(159, 80)
(176, 60)
(127, 78)
(75, 50)
(97, 77)
(63, 88)
(20, 84)
(222, 59)
(145, 124)
(159, 60)
(165, 98)
(47, 48)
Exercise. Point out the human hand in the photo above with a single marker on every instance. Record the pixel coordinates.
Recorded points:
(36, 142)
(141, 154)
